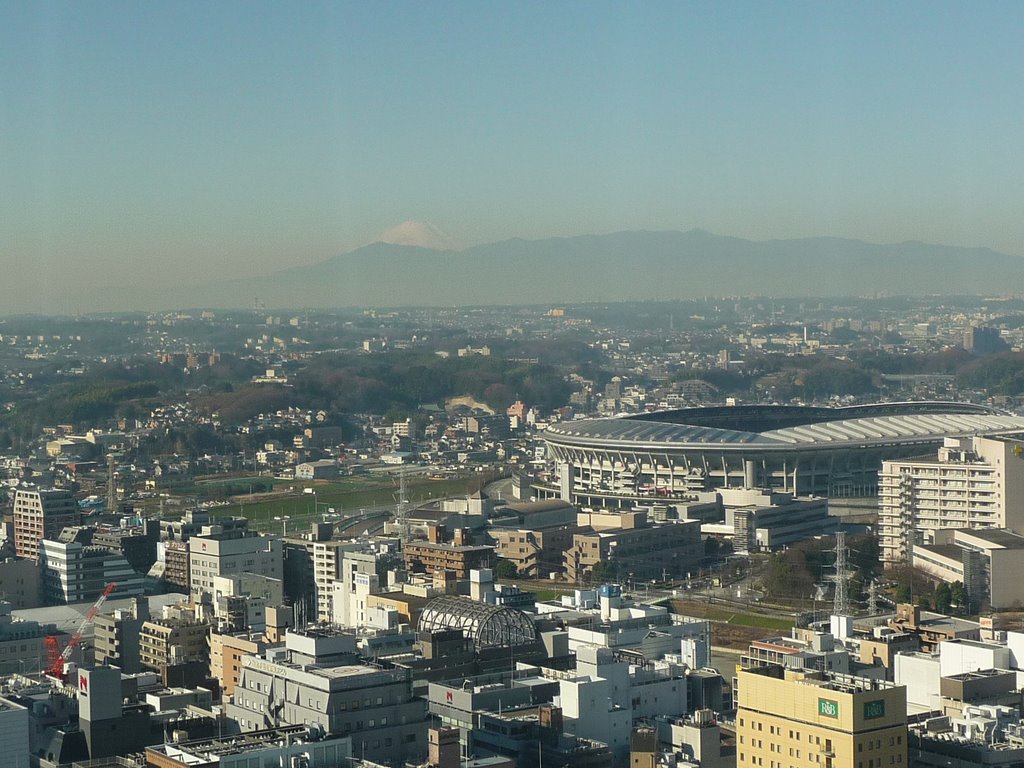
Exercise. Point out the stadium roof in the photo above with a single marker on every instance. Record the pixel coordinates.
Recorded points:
(793, 427)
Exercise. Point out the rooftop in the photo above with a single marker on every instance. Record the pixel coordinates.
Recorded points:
(999, 537)
(783, 426)
(949, 551)
(223, 746)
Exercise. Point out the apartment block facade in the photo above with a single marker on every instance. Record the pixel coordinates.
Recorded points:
(41, 513)
(973, 482)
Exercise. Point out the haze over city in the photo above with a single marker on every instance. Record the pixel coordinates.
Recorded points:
(165, 144)
(511, 385)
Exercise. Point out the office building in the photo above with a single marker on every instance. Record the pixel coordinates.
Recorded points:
(318, 680)
(116, 636)
(535, 553)
(801, 717)
(358, 577)
(39, 514)
(985, 736)
(627, 542)
(21, 643)
(314, 562)
(295, 745)
(932, 629)
(984, 340)
(764, 521)
(75, 571)
(226, 654)
(14, 734)
(226, 554)
(20, 583)
(973, 482)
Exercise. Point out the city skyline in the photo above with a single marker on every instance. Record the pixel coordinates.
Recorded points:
(167, 144)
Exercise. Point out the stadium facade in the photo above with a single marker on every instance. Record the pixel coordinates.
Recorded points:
(803, 450)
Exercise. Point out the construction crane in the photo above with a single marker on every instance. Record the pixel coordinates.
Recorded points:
(55, 658)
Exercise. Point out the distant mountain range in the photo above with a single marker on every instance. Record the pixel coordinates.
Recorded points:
(615, 267)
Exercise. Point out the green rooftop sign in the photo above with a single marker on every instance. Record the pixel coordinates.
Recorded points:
(828, 708)
(873, 709)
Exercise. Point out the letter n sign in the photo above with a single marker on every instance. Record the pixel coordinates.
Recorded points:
(828, 708)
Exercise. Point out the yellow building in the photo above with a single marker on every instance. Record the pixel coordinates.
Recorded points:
(791, 719)
(226, 654)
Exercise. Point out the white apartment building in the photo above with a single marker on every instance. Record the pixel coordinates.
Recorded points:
(973, 482)
(315, 561)
(210, 556)
(348, 593)
(353, 608)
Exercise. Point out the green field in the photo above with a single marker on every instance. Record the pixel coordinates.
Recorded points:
(729, 616)
(757, 620)
(345, 496)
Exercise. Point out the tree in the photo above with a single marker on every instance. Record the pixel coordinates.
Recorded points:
(903, 593)
(960, 597)
(505, 569)
(600, 572)
(778, 576)
(943, 597)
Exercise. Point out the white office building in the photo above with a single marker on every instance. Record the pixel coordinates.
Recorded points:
(211, 556)
(317, 680)
(74, 572)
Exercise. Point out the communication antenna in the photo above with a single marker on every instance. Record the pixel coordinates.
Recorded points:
(841, 599)
(111, 485)
(400, 519)
(873, 598)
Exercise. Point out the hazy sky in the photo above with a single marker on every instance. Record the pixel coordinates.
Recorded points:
(184, 141)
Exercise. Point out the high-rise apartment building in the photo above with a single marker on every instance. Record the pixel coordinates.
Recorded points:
(789, 717)
(973, 482)
(312, 564)
(41, 513)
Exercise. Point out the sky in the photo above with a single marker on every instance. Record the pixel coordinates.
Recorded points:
(164, 143)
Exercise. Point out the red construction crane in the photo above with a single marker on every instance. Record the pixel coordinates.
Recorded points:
(55, 658)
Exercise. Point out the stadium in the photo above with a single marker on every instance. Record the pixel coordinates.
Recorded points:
(805, 450)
